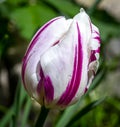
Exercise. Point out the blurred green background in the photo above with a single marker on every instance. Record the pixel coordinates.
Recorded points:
(19, 20)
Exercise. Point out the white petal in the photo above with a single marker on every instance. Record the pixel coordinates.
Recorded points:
(85, 25)
(57, 62)
(42, 41)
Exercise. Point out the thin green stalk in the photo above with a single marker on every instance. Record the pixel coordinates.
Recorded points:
(19, 98)
(27, 109)
(85, 110)
(42, 117)
(4, 121)
(16, 105)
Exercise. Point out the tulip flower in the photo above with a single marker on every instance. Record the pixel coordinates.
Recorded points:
(61, 60)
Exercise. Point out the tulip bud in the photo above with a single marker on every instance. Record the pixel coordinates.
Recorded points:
(61, 60)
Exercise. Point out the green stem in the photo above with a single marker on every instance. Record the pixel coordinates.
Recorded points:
(42, 117)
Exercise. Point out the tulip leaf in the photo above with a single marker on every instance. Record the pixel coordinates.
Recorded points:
(19, 98)
(70, 111)
(96, 81)
(85, 110)
(13, 113)
(27, 109)
(67, 115)
(30, 18)
(4, 121)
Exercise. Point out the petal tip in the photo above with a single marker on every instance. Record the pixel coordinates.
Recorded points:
(82, 10)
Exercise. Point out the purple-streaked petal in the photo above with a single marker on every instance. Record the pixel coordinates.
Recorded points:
(74, 83)
(46, 37)
(85, 26)
(95, 41)
(94, 55)
(94, 44)
(49, 90)
(61, 60)
(58, 63)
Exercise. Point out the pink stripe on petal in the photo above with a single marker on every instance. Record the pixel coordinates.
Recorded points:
(46, 85)
(23, 71)
(98, 50)
(35, 38)
(69, 88)
(55, 43)
(24, 64)
(97, 38)
(97, 32)
(48, 88)
(73, 85)
(92, 57)
(40, 84)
